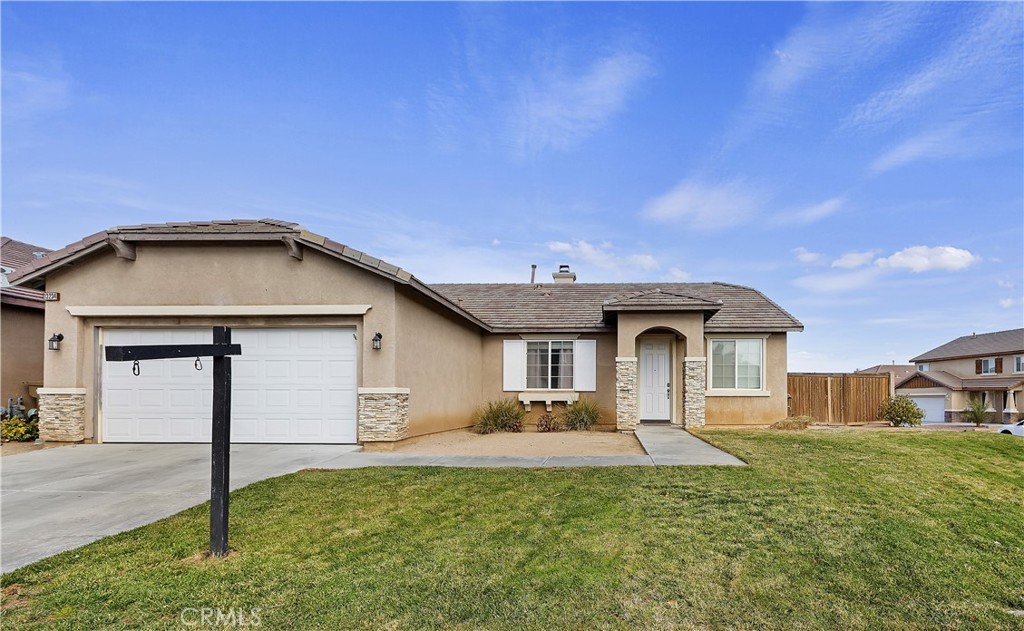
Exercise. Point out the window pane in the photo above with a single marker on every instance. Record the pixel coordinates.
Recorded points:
(748, 364)
(537, 365)
(561, 365)
(723, 364)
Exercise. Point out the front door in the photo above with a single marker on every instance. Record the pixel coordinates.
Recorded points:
(655, 380)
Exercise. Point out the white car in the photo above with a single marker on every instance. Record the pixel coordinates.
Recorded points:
(1017, 429)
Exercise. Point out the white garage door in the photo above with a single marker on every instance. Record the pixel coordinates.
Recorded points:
(288, 386)
(934, 408)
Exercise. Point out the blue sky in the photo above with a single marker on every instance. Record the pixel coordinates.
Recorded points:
(860, 163)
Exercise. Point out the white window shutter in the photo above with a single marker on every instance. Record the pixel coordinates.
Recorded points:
(513, 372)
(585, 368)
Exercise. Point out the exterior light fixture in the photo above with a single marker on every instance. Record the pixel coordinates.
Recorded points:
(55, 341)
(376, 341)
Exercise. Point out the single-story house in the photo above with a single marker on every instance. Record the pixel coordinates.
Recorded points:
(21, 326)
(341, 347)
(986, 366)
(896, 372)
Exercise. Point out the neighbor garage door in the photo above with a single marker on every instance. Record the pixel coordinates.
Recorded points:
(934, 408)
(294, 385)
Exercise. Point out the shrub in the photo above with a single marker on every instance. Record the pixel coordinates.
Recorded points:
(976, 412)
(582, 415)
(503, 415)
(19, 427)
(549, 423)
(900, 410)
(793, 422)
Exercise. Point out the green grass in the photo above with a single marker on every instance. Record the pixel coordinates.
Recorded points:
(824, 529)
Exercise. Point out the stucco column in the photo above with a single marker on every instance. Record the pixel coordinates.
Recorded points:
(695, 377)
(626, 396)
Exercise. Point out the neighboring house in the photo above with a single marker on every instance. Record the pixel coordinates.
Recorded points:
(21, 326)
(896, 372)
(986, 366)
(341, 347)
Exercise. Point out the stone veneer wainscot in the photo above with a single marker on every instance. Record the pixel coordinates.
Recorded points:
(62, 414)
(383, 414)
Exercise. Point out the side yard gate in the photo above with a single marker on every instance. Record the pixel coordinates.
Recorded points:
(838, 397)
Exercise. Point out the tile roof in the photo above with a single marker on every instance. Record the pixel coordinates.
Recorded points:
(943, 379)
(17, 254)
(977, 345)
(581, 306)
(512, 307)
(22, 297)
(899, 371)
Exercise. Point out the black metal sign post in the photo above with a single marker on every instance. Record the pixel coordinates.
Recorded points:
(220, 350)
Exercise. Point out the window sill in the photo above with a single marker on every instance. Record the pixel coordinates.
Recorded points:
(722, 392)
(547, 397)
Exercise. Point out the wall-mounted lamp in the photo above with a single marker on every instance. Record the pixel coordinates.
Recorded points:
(55, 341)
(376, 341)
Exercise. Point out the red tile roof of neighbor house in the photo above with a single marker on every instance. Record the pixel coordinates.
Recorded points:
(493, 307)
(977, 345)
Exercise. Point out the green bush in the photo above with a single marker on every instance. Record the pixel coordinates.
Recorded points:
(20, 427)
(900, 410)
(976, 412)
(582, 415)
(549, 423)
(503, 415)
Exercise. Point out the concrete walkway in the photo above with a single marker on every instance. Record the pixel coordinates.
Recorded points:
(671, 445)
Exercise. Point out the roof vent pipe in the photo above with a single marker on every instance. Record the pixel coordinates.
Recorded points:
(564, 275)
(533, 274)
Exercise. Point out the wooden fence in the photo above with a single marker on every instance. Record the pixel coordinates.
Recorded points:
(838, 397)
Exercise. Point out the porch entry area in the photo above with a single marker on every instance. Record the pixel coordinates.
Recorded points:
(655, 379)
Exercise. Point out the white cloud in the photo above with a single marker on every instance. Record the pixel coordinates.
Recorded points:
(851, 260)
(703, 206)
(806, 256)
(677, 274)
(838, 282)
(1007, 303)
(813, 213)
(936, 143)
(972, 69)
(558, 107)
(603, 256)
(30, 94)
(920, 258)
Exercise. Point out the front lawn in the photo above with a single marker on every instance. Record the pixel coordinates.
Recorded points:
(824, 529)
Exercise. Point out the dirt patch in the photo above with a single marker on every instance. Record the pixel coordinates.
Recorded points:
(13, 449)
(466, 443)
(206, 557)
(14, 596)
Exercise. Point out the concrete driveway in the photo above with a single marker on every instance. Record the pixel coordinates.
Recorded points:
(58, 499)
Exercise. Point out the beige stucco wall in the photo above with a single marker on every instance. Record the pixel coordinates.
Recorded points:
(439, 360)
(965, 367)
(604, 396)
(24, 343)
(221, 274)
(756, 410)
(690, 325)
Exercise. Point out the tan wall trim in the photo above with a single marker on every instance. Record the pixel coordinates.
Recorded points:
(737, 393)
(627, 359)
(61, 390)
(382, 390)
(216, 310)
(695, 359)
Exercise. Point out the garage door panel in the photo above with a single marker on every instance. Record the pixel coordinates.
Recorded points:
(934, 408)
(289, 386)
